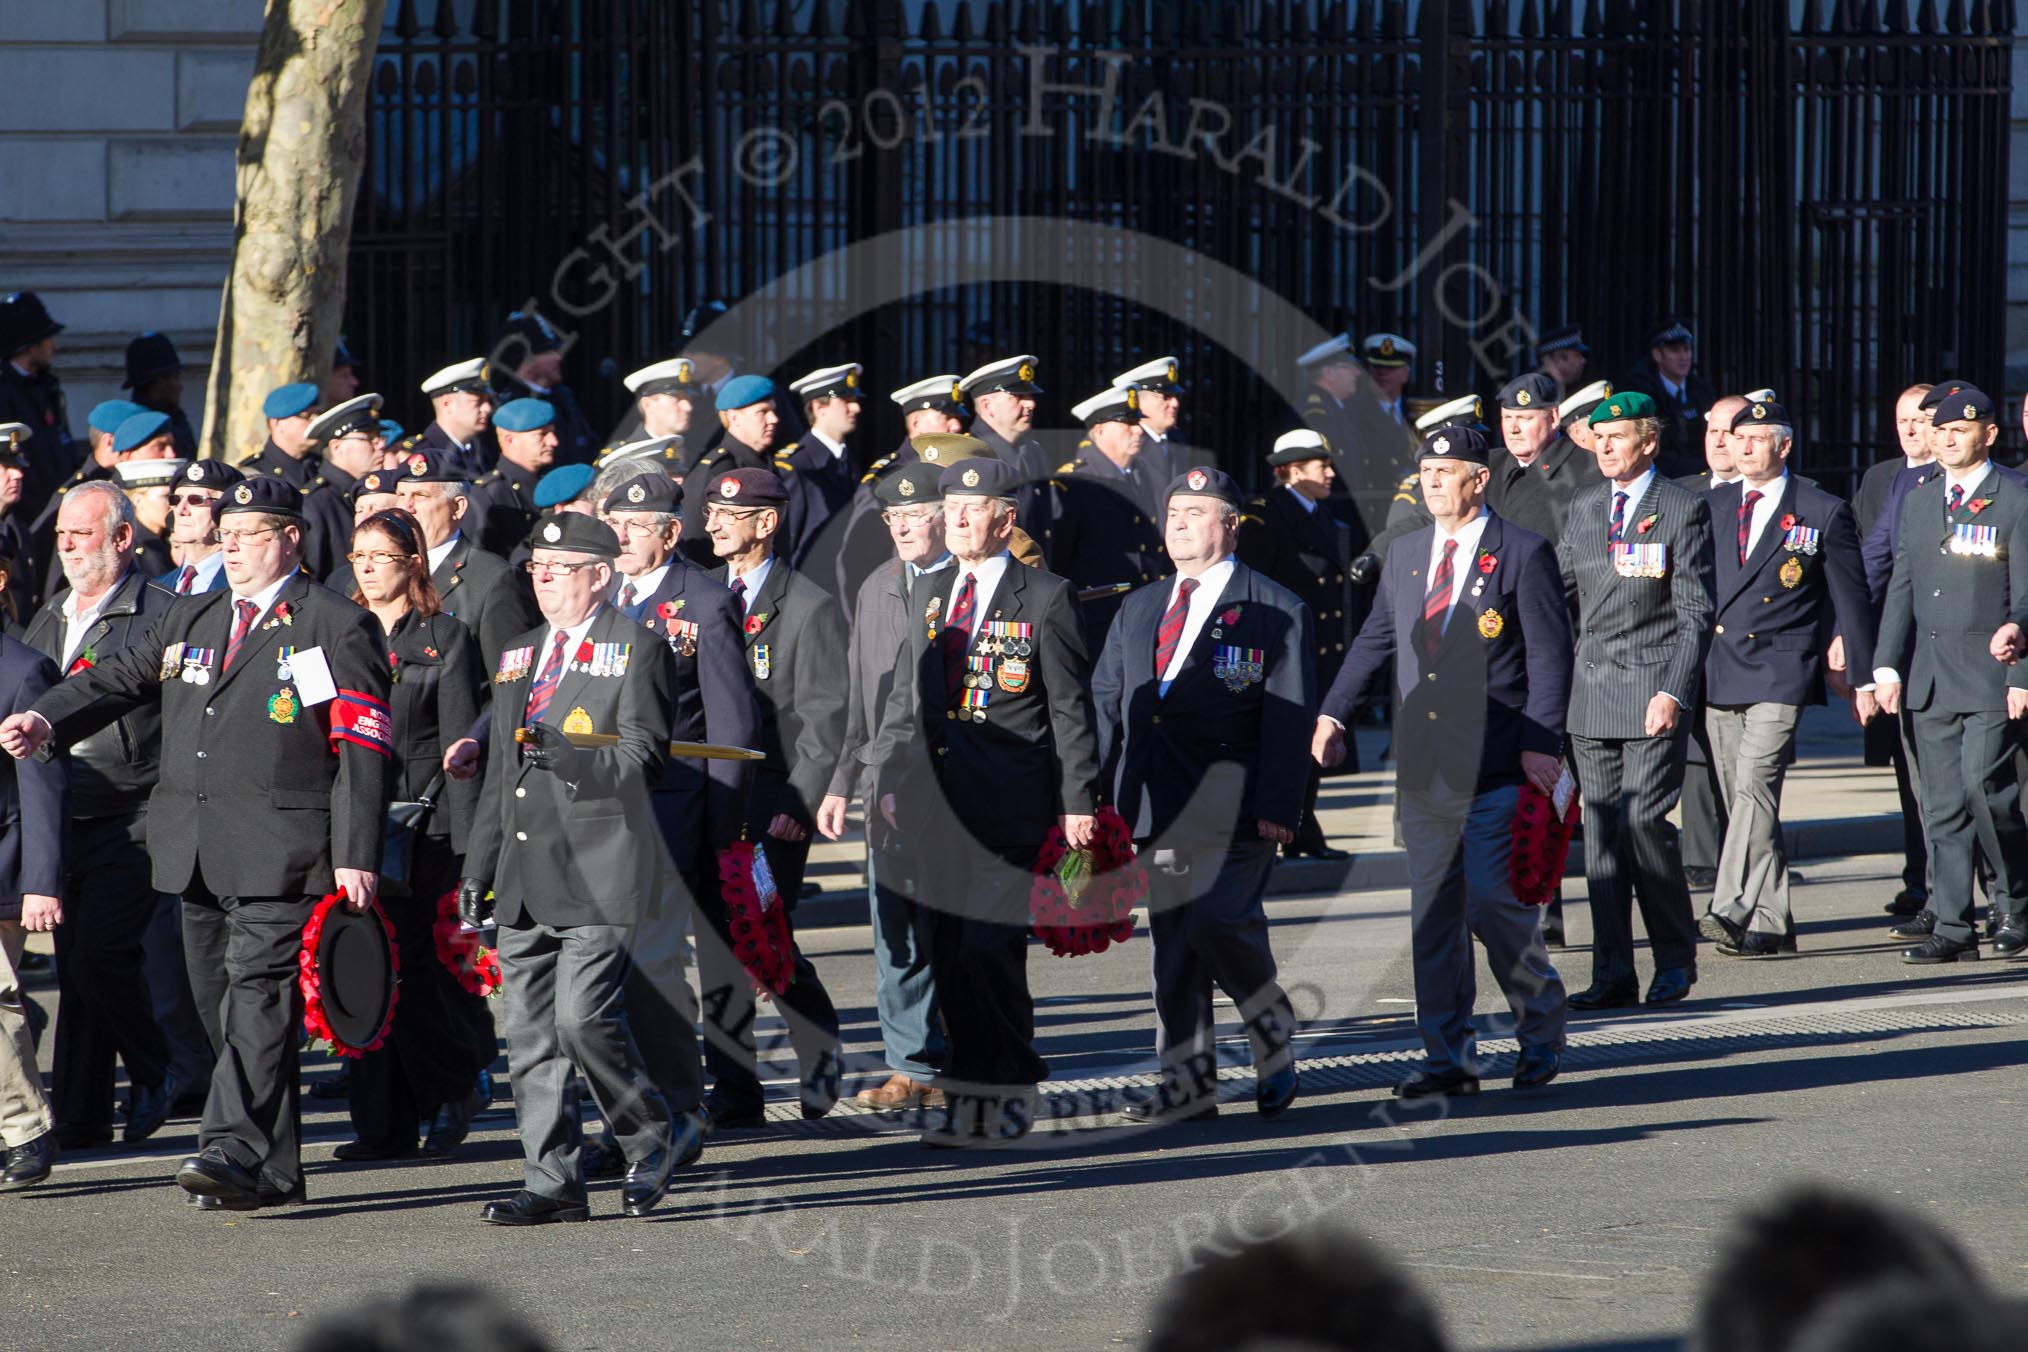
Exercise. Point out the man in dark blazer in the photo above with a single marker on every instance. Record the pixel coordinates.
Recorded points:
(1474, 624)
(1680, 394)
(1788, 577)
(904, 989)
(565, 840)
(1301, 538)
(276, 757)
(1636, 556)
(1533, 483)
(699, 805)
(795, 648)
(32, 803)
(1704, 805)
(827, 468)
(987, 742)
(1204, 694)
(193, 527)
(105, 1014)
(1960, 575)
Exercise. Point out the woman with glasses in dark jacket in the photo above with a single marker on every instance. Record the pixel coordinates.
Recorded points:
(425, 1075)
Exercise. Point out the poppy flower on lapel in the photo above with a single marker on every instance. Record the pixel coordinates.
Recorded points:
(1789, 521)
(1647, 523)
(282, 615)
(1230, 617)
(430, 652)
(755, 621)
(1488, 562)
(1977, 505)
(667, 610)
(584, 651)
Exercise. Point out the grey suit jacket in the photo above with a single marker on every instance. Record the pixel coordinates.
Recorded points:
(1637, 636)
(1942, 608)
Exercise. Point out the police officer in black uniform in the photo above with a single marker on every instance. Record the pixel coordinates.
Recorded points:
(31, 394)
(155, 375)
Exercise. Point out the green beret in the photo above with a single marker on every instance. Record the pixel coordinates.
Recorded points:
(1622, 406)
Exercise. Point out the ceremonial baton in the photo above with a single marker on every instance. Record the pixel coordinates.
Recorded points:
(1109, 589)
(688, 750)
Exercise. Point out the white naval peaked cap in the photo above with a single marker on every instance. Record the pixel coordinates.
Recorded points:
(1387, 349)
(1338, 345)
(1016, 374)
(149, 473)
(1156, 374)
(356, 412)
(932, 392)
(647, 448)
(675, 371)
(1591, 394)
(1116, 403)
(463, 375)
(828, 380)
(1464, 406)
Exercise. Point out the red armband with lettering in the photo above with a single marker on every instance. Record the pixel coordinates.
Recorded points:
(360, 718)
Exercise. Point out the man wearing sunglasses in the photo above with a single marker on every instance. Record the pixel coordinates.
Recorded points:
(193, 527)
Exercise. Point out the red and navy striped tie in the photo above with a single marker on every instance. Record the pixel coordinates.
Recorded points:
(1171, 632)
(1436, 607)
(247, 610)
(545, 683)
(955, 638)
(1746, 521)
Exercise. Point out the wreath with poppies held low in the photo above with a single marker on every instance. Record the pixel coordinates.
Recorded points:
(314, 1020)
(1082, 901)
(1541, 845)
(471, 964)
(760, 932)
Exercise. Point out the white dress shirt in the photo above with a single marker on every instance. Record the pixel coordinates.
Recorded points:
(1635, 491)
(76, 625)
(202, 574)
(1211, 585)
(1462, 561)
(836, 448)
(645, 586)
(262, 599)
(986, 580)
(575, 634)
(751, 583)
(436, 554)
(1764, 510)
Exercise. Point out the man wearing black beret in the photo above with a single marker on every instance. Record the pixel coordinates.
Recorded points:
(276, 752)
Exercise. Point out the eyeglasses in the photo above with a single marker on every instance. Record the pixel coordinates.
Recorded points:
(536, 568)
(380, 558)
(245, 537)
(917, 516)
(733, 513)
(191, 499)
(639, 529)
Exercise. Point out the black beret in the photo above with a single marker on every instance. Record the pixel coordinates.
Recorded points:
(1762, 413)
(425, 466)
(575, 533)
(913, 483)
(371, 482)
(1967, 404)
(1534, 393)
(214, 474)
(269, 495)
(749, 488)
(980, 478)
(1457, 442)
(1206, 483)
(654, 492)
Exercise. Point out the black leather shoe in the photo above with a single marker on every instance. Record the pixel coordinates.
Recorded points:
(1537, 1066)
(727, 1115)
(148, 1109)
(29, 1163)
(1165, 1103)
(267, 1198)
(1720, 930)
(823, 1085)
(526, 1208)
(691, 1129)
(1908, 902)
(1426, 1083)
(602, 1158)
(1754, 944)
(1918, 926)
(359, 1152)
(2012, 939)
(1275, 1091)
(213, 1173)
(1670, 985)
(452, 1124)
(1552, 932)
(647, 1180)
(1315, 850)
(1602, 995)
(1937, 949)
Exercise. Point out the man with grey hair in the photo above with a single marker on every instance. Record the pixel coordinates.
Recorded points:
(104, 1009)
(1788, 575)
(476, 587)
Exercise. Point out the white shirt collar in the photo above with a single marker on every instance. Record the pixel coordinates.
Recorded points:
(1211, 585)
(1468, 547)
(576, 635)
(1635, 491)
(264, 598)
(438, 553)
(986, 580)
(76, 624)
(1970, 483)
(753, 581)
(648, 583)
(207, 569)
(836, 448)
(936, 565)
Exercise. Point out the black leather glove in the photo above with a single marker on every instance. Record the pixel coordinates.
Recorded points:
(1364, 569)
(546, 748)
(473, 912)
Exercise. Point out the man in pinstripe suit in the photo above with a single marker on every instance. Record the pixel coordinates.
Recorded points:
(1637, 555)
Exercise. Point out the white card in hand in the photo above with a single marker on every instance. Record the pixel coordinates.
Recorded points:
(1566, 789)
(312, 676)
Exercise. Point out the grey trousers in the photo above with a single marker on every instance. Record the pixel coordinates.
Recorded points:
(1751, 747)
(1460, 851)
(566, 1006)
(1971, 806)
(1631, 852)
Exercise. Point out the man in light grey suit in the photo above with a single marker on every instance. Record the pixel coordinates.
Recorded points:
(1636, 554)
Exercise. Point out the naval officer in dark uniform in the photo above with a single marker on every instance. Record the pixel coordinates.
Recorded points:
(1103, 531)
(503, 499)
(276, 761)
(1205, 695)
